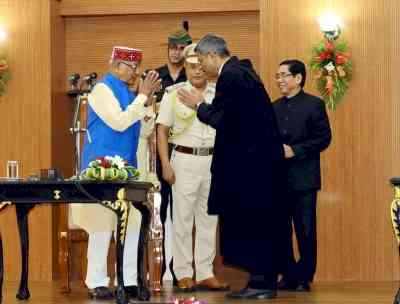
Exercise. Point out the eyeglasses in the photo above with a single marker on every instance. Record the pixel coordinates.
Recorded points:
(282, 76)
(132, 66)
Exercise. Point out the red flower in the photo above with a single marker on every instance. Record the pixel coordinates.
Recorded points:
(340, 59)
(3, 65)
(103, 162)
(326, 55)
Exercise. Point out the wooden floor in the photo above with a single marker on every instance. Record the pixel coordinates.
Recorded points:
(323, 293)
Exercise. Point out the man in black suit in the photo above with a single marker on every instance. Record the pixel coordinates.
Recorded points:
(305, 130)
(246, 169)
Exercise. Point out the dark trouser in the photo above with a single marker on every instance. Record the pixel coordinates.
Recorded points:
(302, 212)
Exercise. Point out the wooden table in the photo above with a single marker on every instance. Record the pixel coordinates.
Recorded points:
(117, 196)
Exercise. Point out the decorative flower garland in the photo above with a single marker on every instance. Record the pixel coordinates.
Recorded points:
(191, 300)
(4, 72)
(109, 168)
(332, 66)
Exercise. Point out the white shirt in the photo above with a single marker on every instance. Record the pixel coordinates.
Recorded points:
(107, 107)
(186, 128)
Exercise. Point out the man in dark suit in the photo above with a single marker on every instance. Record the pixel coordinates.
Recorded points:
(305, 130)
(246, 169)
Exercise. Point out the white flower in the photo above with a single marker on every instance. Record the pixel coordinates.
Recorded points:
(118, 161)
(329, 67)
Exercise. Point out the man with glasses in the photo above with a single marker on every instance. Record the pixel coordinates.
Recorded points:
(114, 124)
(171, 73)
(246, 183)
(305, 131)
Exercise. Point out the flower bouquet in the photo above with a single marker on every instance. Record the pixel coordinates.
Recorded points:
(109, 168)
(332, 69)
(4, 72)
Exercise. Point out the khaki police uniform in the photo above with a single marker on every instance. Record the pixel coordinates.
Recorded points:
(191, 161)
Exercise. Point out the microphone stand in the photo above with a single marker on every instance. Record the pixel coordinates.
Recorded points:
(76, 128)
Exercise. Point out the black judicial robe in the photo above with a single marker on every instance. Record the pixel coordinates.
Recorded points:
(246, 183)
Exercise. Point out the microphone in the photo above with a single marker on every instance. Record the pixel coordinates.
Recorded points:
(90, 77)
(73, 78)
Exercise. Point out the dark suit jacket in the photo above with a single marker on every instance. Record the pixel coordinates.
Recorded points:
(304, 125)
(246, 167)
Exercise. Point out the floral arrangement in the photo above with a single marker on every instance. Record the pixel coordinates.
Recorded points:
(191, 300)
(332, 66)
(4, 72)
(109, 168)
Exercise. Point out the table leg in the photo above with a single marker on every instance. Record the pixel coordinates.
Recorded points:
(1, 269)
(143, 268)
(22, 218)
(395, 215)
(121, 207)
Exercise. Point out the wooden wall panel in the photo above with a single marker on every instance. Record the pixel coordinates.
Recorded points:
(25, 134)
(354, 231)
(123, 7)
(89, 40)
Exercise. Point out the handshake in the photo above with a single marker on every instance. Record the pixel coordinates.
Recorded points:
(149, 84)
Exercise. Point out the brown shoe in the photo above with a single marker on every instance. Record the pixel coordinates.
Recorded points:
(186, 285)
(212, 284)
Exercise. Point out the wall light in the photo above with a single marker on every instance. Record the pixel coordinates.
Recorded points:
(331, 25)
(3, 35)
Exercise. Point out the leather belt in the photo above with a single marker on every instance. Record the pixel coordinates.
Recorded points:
(195, 151)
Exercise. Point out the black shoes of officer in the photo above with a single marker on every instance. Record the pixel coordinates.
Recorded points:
(131, 291)
(251, 293)
(101, 293)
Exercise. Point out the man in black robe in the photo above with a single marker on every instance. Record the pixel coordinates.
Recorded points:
(246, 167)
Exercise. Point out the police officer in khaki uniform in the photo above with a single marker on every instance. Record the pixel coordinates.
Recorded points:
(188, 172)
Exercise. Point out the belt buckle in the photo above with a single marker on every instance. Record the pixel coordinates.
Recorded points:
(201, 151)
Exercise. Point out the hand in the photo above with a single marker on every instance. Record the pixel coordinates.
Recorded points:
(150, 101)
(168, 174)
(150, 84)
(190, 99)
(288, 151)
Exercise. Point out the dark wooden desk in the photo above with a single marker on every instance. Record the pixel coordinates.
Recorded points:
(117, 196)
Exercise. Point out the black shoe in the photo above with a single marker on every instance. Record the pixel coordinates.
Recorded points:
(131, 291)
(101, 293)
(284, 284)
(250, 293)
(303, 286)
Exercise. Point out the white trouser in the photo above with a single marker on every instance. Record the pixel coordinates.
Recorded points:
(168, 245)
(98, 245)
(190, 193)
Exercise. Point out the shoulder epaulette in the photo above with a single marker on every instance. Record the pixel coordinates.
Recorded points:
(175, 87)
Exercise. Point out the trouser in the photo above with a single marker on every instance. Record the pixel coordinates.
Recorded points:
(98, 245)
(302, 212)
(190, 192)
